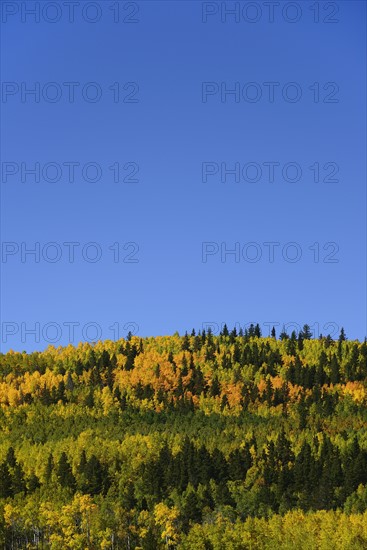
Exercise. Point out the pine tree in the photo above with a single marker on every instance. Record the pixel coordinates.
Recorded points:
(33, 483)
(291, 345)
(82, 463)
(302, 411)
(18, 483)
(185, 343)
(95, 476)
(64, 472)
(204, 464)
(239, 461)
(191, 510)
(128, 499)
(306, 332)
(5, 481)
(257, 331)
(49, 468)
(214, 387)
(60, 393)
(335, 370)
(328, 342)
(89, 399)
(69, 382)
(10, 458)
(224, 402)
(269, 392)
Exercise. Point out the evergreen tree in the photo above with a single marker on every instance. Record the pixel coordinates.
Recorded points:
(328, 342)
(185, 343)
(60, 393)
(191, 510)
(10, 458)
(18, 483)
(224, 402)
(82, 467)
(302, 411)
(64, 472)
(6, 488)
(89, 400)
(214, 387)
(97, 476)
(128, 499)
(291, 344)
(269, 392)
(257, 331)
(251, 330)
(33, 483)
(335, 370)
(306, 332)
(49, 468)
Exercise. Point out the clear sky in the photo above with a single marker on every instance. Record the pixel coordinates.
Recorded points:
(164, 135)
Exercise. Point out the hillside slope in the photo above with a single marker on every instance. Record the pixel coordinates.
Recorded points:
(201, 441)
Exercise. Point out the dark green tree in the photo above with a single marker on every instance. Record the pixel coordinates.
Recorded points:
(10, 458)
(49, 468)
(64, 472)
(6, 488)
(306, 332)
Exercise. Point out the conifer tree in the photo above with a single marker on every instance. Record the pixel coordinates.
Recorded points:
(49, 468)
(6, 489)
(64, 472)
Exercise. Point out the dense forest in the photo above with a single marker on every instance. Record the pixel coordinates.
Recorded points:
(200, 442)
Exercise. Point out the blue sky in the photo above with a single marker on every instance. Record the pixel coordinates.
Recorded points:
(167, 122)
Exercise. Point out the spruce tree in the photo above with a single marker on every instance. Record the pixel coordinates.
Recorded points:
(306, 332)
(33, 483)
(49, 468)
(257, 331)
(6, 489)
(18, 483)
(64, 472)
(214, 387)
(10, 458)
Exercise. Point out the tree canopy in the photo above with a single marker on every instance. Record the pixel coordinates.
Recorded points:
(196, 441)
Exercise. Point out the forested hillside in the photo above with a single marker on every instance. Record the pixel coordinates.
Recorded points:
(198, 442)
